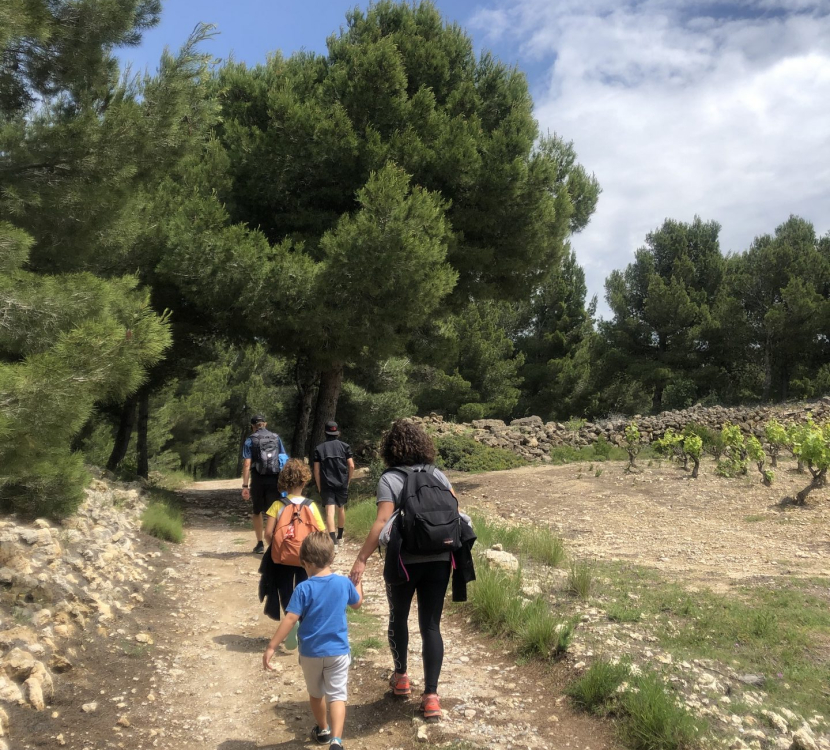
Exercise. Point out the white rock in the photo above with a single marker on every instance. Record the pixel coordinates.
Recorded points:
(503, 560)
(89, 708)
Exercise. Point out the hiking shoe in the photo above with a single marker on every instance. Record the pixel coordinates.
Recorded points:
(322, 736)
(259, 549)
(400, 684)
(430, 706)
(336, 745)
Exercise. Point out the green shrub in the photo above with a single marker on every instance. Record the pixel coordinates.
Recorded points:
(602, 448)
(733, 461)
(462, 453)
(622, 613)
(163, 520)
(470, 412)
(596, 689)
(653, 719)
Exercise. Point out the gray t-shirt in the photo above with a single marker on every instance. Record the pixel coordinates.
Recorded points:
(389, 488)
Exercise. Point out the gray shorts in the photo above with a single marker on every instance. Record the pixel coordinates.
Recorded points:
(327, 675)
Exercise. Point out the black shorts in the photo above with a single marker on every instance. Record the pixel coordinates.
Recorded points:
(337, 497)
(263, 496)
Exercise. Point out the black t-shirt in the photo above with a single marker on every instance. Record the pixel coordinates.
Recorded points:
(333, 457)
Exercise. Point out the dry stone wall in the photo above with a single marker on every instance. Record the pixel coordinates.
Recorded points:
(532, 438)
(59, 582)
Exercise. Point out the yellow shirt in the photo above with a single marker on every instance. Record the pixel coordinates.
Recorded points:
(277, 508)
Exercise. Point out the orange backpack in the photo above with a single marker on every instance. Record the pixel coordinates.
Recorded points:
(295, 523)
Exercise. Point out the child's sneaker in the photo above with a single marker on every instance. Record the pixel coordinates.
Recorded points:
(400, 684)
(336, 745)
(321, 735)
(430, 706)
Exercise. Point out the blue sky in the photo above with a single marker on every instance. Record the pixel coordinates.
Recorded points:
(679, 107)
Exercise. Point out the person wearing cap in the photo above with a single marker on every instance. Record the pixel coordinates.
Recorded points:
(333, 471)
(260, 473)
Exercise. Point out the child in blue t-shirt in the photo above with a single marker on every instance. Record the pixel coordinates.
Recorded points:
(319, 604)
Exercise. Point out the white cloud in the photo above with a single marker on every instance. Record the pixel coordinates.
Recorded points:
(682, 112)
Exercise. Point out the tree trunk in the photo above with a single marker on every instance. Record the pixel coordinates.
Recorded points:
(306, 380)
(327, 397)
(696, 467)
(125, 432)
(773, 460)
(657, 399)
(143, 468)
(84, 433)
(767, 369)
(818, 481)
(242, 437)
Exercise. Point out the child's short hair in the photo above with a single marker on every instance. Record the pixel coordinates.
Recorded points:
(294, 474)
(317, 549)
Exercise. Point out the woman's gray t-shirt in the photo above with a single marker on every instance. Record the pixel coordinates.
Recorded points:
(389, 488)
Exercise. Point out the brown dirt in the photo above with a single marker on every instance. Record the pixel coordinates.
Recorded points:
(710, 531)
(200, 684)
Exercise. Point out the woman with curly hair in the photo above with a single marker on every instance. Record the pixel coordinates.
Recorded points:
(408, 445)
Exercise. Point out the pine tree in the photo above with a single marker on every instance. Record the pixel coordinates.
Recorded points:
(67, 342)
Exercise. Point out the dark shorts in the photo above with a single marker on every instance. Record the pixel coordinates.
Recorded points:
(263, 496)
(335, 497)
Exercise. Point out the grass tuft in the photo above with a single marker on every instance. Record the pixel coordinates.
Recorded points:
(163, 520)
(581, 579)
(360, 516)
(596, 689)
(653, 719)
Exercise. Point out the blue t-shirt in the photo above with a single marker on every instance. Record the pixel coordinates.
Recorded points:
(321, 603)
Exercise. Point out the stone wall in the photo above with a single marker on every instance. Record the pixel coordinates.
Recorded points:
(58, 581)
(532, 438)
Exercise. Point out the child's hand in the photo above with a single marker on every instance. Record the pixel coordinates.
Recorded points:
(266, 659)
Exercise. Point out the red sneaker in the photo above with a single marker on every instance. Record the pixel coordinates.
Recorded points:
(400, 684)
(430, 706)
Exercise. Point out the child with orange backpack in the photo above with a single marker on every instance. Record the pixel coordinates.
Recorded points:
(289, 522)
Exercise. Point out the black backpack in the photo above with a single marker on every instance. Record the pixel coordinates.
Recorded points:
(265, 452)
(428, 520)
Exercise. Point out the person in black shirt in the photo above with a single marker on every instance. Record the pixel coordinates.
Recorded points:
(333, 470)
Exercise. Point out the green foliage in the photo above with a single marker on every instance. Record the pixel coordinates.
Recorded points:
(602, 448)
(163, 520)
(661, 306)
(672, 446)
(596, 689)
(734, 460)
(541, 544)
(555, 337)
(777, 438)
(811, 445)
(473, 367)
(651, 718)
(755, 453)
(693, 447)
(632, 445)
(69, 341)
(581, 579)
(462, 453)
(360, 517)
(654, 720)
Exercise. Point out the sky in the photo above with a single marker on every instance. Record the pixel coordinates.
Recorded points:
(679, 107)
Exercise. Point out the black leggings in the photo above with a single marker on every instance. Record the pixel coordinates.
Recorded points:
(429, 580)
(288, 577)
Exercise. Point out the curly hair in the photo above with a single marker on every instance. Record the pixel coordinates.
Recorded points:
(294, 474)
(407, 444)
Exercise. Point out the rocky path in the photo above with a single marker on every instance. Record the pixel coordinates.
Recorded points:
(212, 693)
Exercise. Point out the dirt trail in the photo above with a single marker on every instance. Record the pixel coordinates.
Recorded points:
(212, 693)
